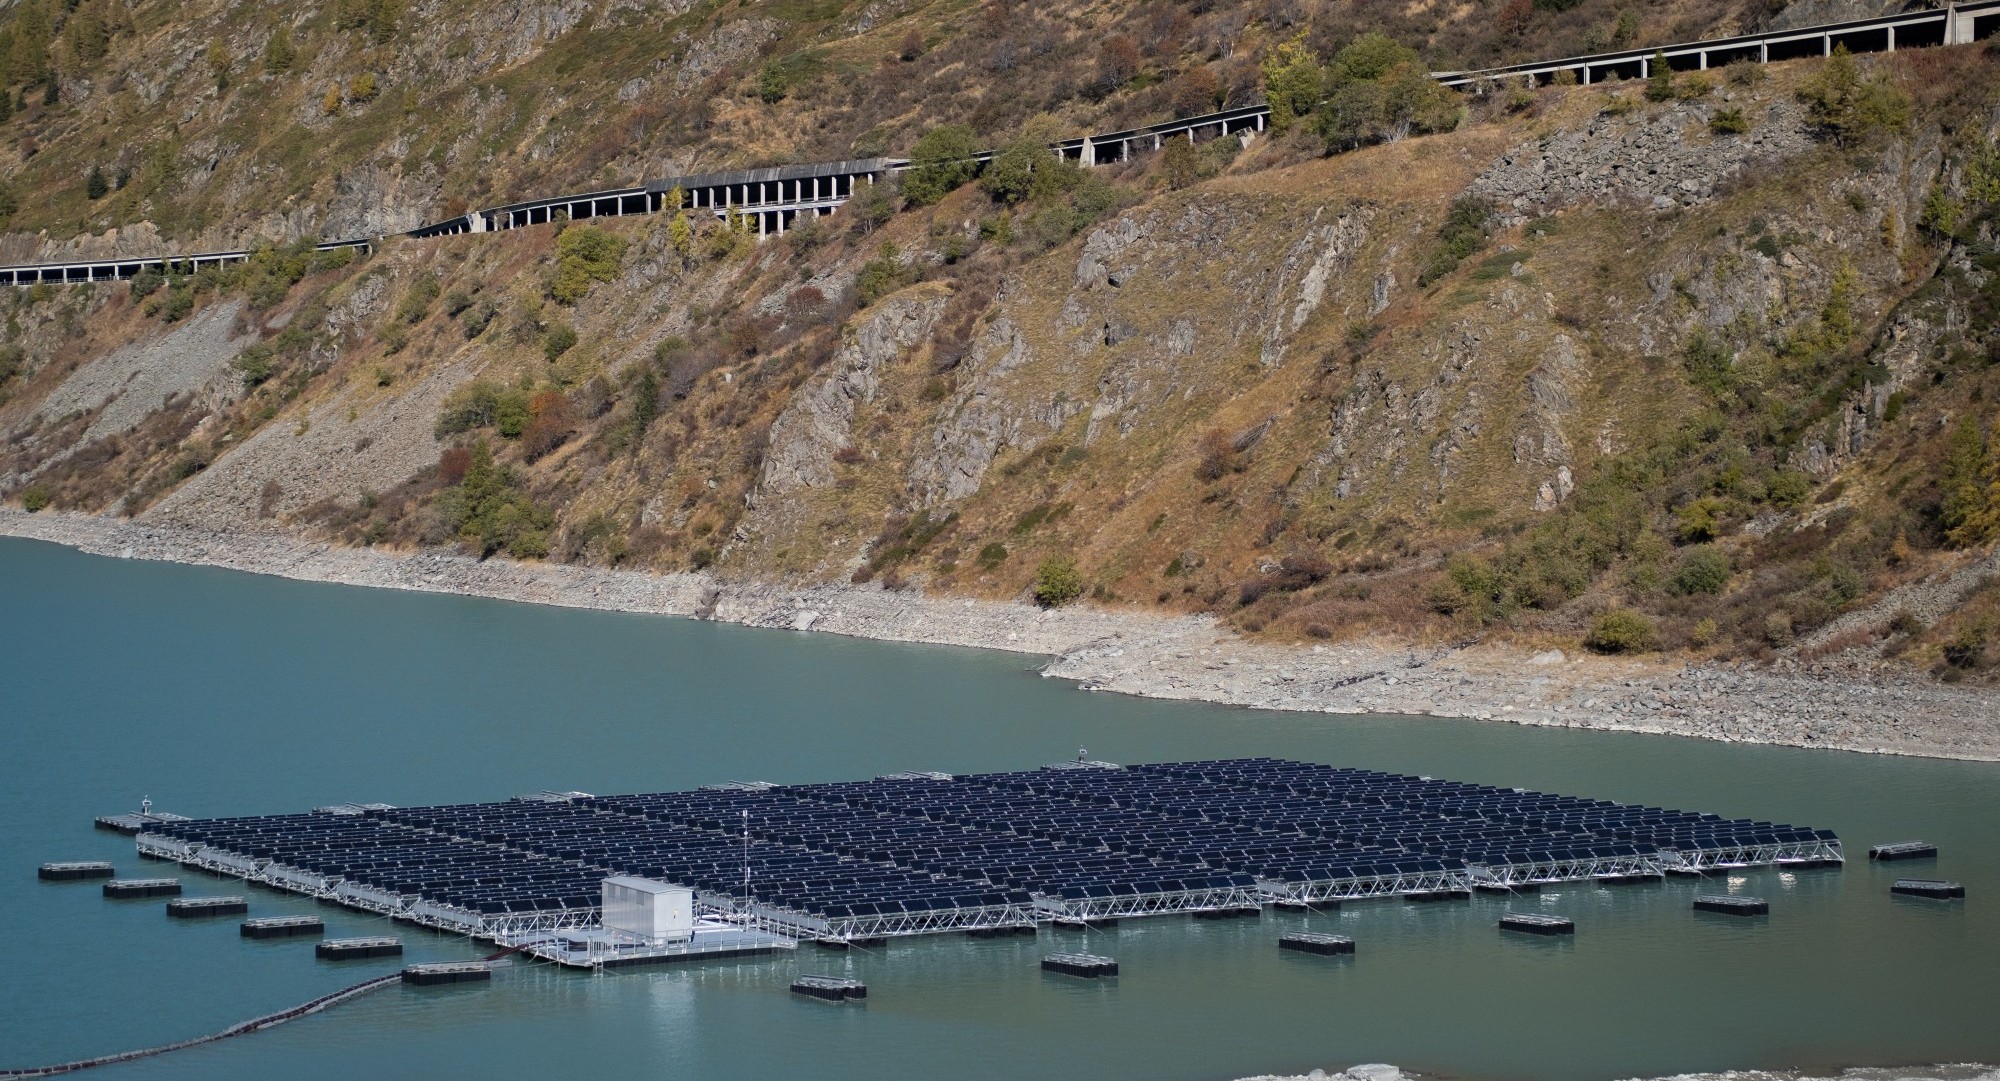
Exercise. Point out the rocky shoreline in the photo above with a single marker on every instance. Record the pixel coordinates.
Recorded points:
(1872, 710)
(1944, 1072)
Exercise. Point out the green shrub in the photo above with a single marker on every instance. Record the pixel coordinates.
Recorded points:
(417, 301)
(510, 415)
(255, 364)
(560, 339)
(1710, 363)
(1789, 488)
(35, 498)
(146, 283)
(1700, 520)
(481, 404)
(1729, 120)
(1464, 231)
(940, 163)
(1845, 107)
(489, 510)
(992, 555)
(478, 317)
(1620, 630)
(583, 255)
(1057, 582)
(883, 275)
(178, 303)
(1701, 570)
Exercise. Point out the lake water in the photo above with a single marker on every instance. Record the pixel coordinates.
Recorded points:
(219, 693)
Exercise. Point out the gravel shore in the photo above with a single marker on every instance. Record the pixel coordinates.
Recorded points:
(1949, 1072)
(1876, 710)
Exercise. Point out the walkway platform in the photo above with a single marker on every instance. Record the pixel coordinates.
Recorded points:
(597, 948)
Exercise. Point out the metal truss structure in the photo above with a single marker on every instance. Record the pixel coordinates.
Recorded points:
(1819, 852)
(1314, 890)
(792, 923)
(497, 927)
(1565, 870)
(1116, 906)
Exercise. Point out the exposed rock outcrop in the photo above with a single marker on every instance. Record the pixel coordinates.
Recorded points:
(819, 422)
(1661, 160)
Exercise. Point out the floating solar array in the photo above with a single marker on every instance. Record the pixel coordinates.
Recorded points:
(922, 853)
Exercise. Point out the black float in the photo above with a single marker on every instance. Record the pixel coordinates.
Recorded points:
(1903, 850)
(1534, 923)
(282, 927)
(443, 972)
(1086, 965)
(1309, 942)
(123, 888)
(75, 871)
(1001, 932)
(352, 949)
(851, 943)
(1733, 906)
(196, 907)
(1927, 887)
(830, 988)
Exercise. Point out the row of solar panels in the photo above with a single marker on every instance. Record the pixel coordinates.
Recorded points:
(932, 841)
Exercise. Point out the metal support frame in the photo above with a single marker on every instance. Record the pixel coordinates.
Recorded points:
(1131, 906)
(1355, 889)
(1711, 859)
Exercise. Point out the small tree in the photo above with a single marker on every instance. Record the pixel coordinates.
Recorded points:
(95, 185)
(1026, 169)
(912, 47)
(1660, 83)
(584, 255)
(1057, 582)
(1846, 107)
(219, 63)
(1294, 81)
(278, 52)
(942, 160)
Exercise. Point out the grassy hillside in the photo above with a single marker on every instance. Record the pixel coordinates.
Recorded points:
(1706, 369)
(217, 123)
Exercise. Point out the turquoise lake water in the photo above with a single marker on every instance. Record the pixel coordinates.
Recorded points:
(219, 693)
